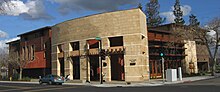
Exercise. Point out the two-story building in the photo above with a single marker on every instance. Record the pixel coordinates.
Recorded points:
(34, 50)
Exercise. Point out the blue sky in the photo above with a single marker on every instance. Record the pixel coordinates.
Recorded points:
(27, 15)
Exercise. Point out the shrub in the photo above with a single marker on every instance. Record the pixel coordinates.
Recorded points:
(26, 79)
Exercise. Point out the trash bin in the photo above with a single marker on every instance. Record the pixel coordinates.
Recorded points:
(171, 75)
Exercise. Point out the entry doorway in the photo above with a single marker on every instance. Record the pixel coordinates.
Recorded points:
(94, 68)
(76, 67)
(155, 69)
(117, 67)
(202, 66)
(62, 72)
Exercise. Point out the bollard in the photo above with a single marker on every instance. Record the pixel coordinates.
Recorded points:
(180, 74)
(10, 78)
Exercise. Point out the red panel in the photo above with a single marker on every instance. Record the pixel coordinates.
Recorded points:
(39, 60)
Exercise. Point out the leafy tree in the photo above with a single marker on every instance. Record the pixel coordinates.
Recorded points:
(178, 13)
(152, 13)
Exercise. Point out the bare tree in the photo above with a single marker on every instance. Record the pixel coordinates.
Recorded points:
(211, 40)
(203, 36)
(3, 60)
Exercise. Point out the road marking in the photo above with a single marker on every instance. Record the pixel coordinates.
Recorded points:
(47, 89)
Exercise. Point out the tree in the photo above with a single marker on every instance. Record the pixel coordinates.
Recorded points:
(152, 13)
(140, 6)
(193, 21)
(211, 41)
(178, 13)
(3, 60)
(209, 36)
(14, 62)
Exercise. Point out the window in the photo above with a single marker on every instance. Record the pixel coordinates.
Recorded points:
(23, 53)
(44, 54)
(116, 41)
(29, 53)
(32, 52)
(74, 46)
(44, 46)
(60, 48)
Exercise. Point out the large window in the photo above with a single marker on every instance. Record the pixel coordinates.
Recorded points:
(74, 46)
(116, 41)
(60, 48)
(32, 52)
(23, 53)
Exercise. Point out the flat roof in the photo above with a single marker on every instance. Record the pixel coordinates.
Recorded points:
(43, 28)
(14, 41)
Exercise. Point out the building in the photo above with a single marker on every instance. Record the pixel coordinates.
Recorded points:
(132, 49)
(14, 50)
(34, 50)
(123, 35)
(179, 51)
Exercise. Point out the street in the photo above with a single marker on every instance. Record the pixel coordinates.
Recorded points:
(210, 85)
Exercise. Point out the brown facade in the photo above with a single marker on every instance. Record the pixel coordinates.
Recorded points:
(14, 50)
(179, 51)
(160, 42)
(35, 51)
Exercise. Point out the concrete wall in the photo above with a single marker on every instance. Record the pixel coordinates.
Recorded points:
(190, 63)
(131, 24)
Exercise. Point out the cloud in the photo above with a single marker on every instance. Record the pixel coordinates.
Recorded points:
(3, 34)
(170, 16)
(4, 46)
(32, 9)
(95, 5)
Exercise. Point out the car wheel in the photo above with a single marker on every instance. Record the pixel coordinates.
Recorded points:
(50, 83)
(60, 83)
(40, 82)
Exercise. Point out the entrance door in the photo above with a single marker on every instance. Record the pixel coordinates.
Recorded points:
(61, 60)
(76, 68)
(155, 69)
(117, 67)
(94, 68)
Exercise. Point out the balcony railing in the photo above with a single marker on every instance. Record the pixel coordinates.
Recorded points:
(74, 53)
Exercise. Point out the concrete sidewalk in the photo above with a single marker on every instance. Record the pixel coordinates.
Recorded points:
(152, 82)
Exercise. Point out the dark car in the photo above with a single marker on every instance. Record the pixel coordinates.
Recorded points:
(52, 79)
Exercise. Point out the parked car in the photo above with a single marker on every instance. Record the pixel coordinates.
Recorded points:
(52, 79)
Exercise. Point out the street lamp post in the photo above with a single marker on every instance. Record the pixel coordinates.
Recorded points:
(163, 69)
(162, 61)
(100, 59)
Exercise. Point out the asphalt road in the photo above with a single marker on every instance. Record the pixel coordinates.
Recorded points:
(211, 85)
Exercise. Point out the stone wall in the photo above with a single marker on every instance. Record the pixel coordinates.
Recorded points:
(190, 63)
(130, 24)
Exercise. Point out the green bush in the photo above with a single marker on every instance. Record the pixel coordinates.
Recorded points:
(26, 79)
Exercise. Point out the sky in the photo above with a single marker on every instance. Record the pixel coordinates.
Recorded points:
(20, 16)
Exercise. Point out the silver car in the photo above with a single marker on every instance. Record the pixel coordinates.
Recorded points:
(52, 79)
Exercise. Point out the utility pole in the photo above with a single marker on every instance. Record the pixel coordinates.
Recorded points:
(100, 59)
(163, 69)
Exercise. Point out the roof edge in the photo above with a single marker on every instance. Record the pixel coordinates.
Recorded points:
(46, 27)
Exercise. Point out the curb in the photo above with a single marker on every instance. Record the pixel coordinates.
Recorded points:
(124, 85)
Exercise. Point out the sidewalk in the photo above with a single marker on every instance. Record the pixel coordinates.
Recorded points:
(152, 82)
